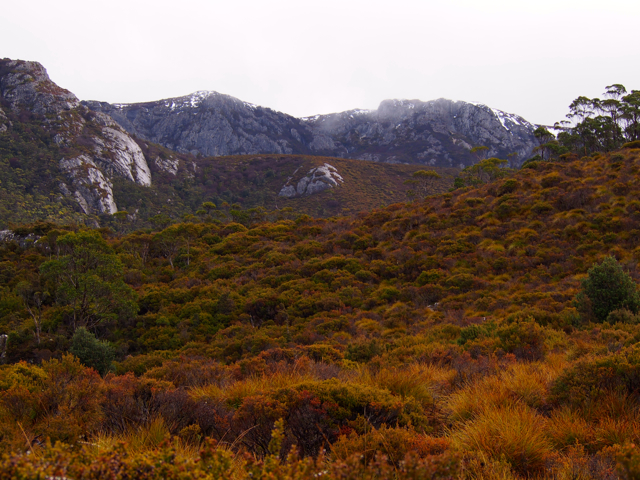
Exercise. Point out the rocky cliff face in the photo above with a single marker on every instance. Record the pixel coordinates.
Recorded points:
(97, 148)
(439, 132)
(210, 124)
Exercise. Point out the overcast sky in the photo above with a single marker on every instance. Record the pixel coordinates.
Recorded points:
(306, 57)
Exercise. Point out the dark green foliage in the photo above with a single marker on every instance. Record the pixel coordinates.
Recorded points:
(508, 186)
(88, 279)
(92, 352)
(607, 288)
(601, 125)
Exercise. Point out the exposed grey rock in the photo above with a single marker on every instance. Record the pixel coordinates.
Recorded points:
(210, 123)
(93, 191)
(64, 189)
(317, 180)
(6, 235)
(4, 121)
(26, 85)
(288, 191)
(440, 132)
(22, 240)
(169, 165)
(120, 155)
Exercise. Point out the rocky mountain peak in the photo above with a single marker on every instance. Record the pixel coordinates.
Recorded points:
(210, 123)
(26, 85)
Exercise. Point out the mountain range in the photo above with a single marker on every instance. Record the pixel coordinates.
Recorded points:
(66, 160)
(436, 133)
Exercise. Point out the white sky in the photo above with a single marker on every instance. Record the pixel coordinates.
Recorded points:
(305, 57)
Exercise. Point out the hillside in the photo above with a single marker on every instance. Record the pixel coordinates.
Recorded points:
(447, 329)
(436, 133)
(255, 181)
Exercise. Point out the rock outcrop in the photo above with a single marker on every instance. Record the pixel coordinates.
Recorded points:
(4, 121)
(26, 86)
(440, 132)
(104, 150)
(91, 189)
(317, 180)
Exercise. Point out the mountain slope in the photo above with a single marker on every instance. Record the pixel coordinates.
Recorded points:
(51, 146)
(210, 124)
(440, 132)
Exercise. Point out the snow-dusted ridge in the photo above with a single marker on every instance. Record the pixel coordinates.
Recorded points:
(507, 120)
(348, 113)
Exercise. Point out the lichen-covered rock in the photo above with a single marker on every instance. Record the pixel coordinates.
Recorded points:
(169, 165)
(119, 154)
(4, 121)
(288, 191)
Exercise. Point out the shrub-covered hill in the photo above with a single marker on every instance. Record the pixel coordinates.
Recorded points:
(445, 329)
(255, 181)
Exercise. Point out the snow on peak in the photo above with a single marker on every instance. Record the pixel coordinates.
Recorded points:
(358, 111)
(197, 97)
(507, 120)
(192, 100)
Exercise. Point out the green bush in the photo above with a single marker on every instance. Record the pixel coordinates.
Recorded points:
(92, 352)
(607, 288)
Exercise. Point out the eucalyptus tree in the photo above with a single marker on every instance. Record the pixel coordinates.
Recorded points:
(86, 279)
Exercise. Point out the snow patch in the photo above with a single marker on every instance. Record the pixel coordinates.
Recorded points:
(196, 98)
